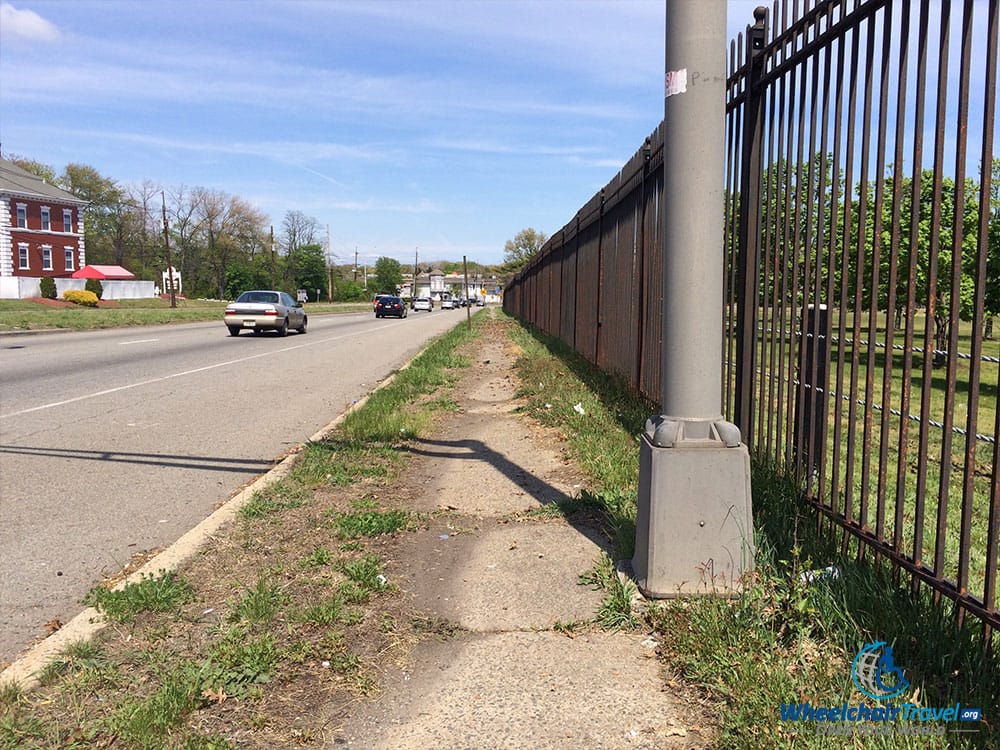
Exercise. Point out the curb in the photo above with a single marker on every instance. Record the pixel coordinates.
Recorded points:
(24, 670)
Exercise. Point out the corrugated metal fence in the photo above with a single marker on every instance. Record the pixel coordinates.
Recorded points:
(863, 263)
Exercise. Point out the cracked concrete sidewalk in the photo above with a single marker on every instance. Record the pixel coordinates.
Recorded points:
(506, 677)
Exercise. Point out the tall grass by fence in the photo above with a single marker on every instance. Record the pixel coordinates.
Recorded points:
(863, 267)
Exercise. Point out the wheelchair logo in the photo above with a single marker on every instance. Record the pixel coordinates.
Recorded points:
(876, 674)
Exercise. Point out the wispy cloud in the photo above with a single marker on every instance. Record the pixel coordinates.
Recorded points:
(441, 124)
(422, 206)
(26, 25)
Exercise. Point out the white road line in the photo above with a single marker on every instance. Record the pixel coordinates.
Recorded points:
(74, 400)
(140, 341)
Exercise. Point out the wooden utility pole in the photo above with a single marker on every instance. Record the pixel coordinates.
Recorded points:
(274, 263)
(329, 265)
(468, 307)
(170, 262)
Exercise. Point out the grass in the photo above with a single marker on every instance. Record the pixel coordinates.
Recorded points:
(370, 523)
(615, 612)
(787, 637)
(259, 604)
(27, 315)
(272, 622)
(914, 482)
(152, 594)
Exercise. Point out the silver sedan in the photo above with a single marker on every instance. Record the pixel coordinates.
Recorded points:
(261, 310)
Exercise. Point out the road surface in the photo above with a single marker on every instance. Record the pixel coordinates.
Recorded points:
(117, 442)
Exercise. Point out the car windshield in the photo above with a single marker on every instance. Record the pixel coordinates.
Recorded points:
(267, 297)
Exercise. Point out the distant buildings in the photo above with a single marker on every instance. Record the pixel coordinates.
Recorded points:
(435, 282)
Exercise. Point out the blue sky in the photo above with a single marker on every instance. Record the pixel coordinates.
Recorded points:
(443, 126)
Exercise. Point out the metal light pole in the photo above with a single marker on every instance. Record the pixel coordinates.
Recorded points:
(694, 528)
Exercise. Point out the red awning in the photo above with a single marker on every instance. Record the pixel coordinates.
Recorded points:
(103, 272)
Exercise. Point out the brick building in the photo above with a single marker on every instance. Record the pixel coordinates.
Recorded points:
(41, 227)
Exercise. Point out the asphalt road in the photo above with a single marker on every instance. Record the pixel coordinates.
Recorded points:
(117, 442)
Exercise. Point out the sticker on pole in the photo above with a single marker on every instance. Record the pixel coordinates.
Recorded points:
(676, 82)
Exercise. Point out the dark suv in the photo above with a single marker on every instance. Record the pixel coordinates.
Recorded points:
(386, 306)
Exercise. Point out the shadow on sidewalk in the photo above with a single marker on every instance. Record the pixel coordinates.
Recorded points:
(581, 513)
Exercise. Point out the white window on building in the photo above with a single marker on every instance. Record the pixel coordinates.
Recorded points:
(22, 257)
(22, 216)
(69, 258)
(67, 219)
(46, 219)
(46, 257)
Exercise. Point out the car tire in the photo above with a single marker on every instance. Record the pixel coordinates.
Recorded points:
(234, 330)
(282, 328)
(305, 321)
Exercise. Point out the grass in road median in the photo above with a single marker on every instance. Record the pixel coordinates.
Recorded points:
(28, 315)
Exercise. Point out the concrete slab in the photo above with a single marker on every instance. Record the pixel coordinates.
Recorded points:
(525, 690)
(489, 464)
(489, 576)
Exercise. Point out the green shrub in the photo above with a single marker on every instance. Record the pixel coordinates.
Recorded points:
(81, 297)
(48, 287)
(95, 286)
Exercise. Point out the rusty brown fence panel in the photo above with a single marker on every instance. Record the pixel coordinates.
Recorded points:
(862, 241)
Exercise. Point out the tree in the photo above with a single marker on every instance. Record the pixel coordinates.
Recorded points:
(146, 250)
(299, 230)
(388, 275)
(248, 273)
(992, 296)
(106, 214)
(230, 228)
(518, 251)
(36, 168)
(308, 267)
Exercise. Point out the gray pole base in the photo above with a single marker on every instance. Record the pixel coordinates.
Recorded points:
(694, 527)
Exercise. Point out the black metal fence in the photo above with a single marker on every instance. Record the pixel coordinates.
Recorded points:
(863, 271)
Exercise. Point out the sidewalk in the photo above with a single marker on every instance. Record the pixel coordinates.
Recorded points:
(498, 581)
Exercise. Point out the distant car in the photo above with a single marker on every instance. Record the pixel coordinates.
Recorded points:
(480, 302)
(423, 303)
(448, 304)
(262, 310)
(387, 306)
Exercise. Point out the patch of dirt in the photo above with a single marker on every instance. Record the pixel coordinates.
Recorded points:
(49, 302)
(45, 301)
